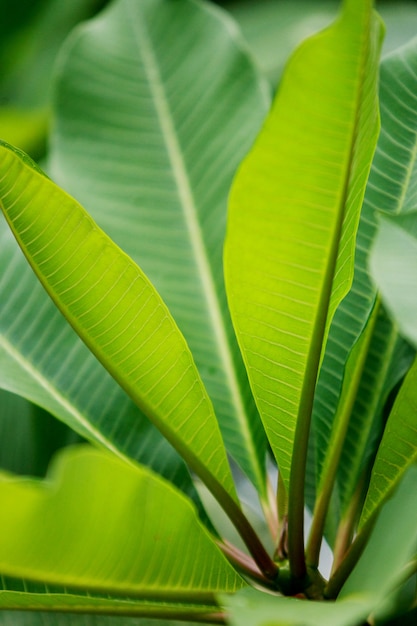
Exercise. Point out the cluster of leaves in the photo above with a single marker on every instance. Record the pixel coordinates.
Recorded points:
(188, 342)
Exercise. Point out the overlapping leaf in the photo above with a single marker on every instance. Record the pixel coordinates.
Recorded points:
(24, 595)
(398, 449)
(293, 215)
(382, 565)
(43, 360)
(391, 188)
(116, 311)
(156, 104)
(64, 531)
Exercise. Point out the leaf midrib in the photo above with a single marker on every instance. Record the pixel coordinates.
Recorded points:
(190, 212)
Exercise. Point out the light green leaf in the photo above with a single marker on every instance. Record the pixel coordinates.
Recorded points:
(82, 605)
(190, 106)
(383, 563)
(28, 618)
(293, 215)
(43, 360)
(393, 265)
(398, 448)
(116, 311)
(252, 608)
(63, 531)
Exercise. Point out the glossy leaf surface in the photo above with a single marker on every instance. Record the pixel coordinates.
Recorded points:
(63, 377)
(293, 215)
(116, 311)
(64, 532)
(156, 104)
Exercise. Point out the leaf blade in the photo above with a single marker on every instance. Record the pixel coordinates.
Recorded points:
(81, 542)
(190, 107)
(102, 304)
(303, 284)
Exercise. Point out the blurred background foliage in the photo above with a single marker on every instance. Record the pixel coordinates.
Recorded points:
(31, 34)
(32, 31)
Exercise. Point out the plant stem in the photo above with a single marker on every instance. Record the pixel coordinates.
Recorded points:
(244, 563)
(347, 526)
(339, 577)
(271, 511)
(242, 525)
(337, 439)
(281, 551)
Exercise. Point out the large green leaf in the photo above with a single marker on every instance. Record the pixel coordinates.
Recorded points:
(19, 618)
(43, 360)
(293, 215)
(149, 148)
(80, 605)
(148, 543)
(116, 311)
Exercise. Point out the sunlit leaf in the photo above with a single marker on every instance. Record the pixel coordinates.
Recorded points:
(116, 311)
(293, 215)
(96, 524)
(149, 148)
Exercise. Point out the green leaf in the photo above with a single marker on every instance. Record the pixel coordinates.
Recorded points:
(390, 188)
(191, 107)
(117, 312)
(398, 448)
(19, 618)
(388, 361)
(63, 531)
(43, 360)
(382, 565)
(252, 608)
(293, 215)
(93, 605)
(394, 268)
